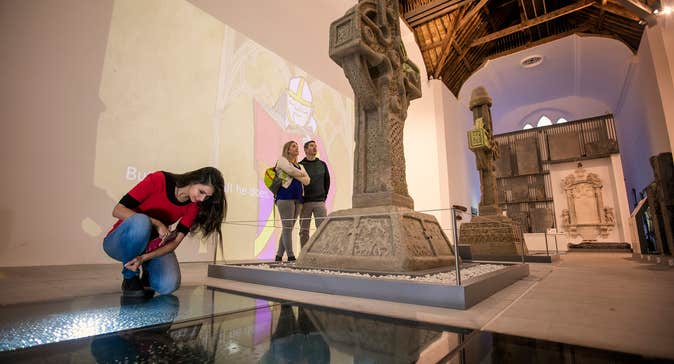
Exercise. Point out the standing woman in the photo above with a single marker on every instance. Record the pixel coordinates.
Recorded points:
(289, 196)
(141, 236)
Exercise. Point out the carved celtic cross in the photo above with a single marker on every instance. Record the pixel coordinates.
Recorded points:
(366, 43)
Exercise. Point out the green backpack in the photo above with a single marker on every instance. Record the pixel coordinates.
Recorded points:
(272, 180)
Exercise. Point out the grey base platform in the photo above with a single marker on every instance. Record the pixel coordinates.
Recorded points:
(458, 297)
(530, 258)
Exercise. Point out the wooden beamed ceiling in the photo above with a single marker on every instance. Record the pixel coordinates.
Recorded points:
(457, 37)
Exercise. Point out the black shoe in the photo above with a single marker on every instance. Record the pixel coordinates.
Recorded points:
(131, 287)
(129, 300)
(145, 281)
(278, 259)
(145, 278)
(291, 259)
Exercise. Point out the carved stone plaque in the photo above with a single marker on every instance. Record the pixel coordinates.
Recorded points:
(564, 146)
(541, 219)
(503, 165)
(527, 156)
(539, 188)
(519, 188)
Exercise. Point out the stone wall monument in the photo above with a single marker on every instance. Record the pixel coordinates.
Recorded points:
(585, 215)
(381, 232)
(490, 234)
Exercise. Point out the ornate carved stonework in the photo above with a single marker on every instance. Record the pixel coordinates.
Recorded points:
(586, 215)
(493, 236)
(382, 232)
(490, 234)
(384, 81)
(381, 239)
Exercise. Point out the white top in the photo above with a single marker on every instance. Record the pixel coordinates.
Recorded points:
(286, 172)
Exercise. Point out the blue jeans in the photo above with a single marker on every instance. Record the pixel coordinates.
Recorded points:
(129, 240)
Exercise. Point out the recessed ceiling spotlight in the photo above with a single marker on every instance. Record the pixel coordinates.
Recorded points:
(531, 61)
(656, 11)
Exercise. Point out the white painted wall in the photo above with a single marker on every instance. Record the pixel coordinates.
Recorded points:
(610, 176)
(569, 107)
(424, 145)
(641, 122)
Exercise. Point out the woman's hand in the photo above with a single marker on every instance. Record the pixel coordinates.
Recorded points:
(134, 263)
(162, 230)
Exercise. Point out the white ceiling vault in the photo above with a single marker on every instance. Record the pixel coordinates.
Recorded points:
(577, 73)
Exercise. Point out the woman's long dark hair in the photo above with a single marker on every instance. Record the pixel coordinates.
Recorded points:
(213, 210)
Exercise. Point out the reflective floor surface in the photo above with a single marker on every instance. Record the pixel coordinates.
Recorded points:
(204, 325)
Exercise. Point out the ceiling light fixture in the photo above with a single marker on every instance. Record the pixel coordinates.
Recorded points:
(531, 61)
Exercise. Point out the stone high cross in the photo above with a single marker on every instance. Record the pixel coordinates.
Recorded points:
(381, 232)
(366, 43)
(486, 152)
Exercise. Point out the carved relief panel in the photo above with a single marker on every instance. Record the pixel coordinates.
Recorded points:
(586, 215)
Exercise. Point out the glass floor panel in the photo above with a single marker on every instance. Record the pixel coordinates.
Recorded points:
(205, 325)
(26, 325)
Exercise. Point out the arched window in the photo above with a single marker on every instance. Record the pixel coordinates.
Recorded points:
(544, 121)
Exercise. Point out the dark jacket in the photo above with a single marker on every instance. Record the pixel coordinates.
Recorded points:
(318, 189)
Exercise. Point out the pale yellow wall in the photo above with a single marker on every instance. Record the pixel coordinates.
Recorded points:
(124, 74)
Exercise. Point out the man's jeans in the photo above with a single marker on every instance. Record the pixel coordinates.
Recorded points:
(129, 240)
(309, 208)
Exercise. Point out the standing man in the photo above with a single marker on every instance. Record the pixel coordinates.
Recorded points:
(315, 193)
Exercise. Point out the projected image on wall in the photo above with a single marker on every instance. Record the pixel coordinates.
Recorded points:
(183, 90)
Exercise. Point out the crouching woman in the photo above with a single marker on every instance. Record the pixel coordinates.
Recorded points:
(141, 237)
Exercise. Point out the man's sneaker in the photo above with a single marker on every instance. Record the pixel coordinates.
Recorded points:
(291, 259)
(131, 287)
(278, 259)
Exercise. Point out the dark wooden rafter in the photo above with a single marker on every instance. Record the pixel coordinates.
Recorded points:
(615, 9)
(602, 14)
(457, 37)
(449, 36)
(530, 23)
(447, 46)
(432, 10)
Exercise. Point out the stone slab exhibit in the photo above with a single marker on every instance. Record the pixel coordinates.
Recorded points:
(527, 156)
(503, 162)
(493, 236)
(541, 219)
(564, 146)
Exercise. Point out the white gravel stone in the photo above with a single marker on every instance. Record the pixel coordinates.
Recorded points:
(448, 278)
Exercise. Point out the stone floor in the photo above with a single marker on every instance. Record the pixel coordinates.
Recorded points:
(602, 300)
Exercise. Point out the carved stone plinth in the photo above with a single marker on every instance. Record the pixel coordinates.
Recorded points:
(492, 236)
(382, 239)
